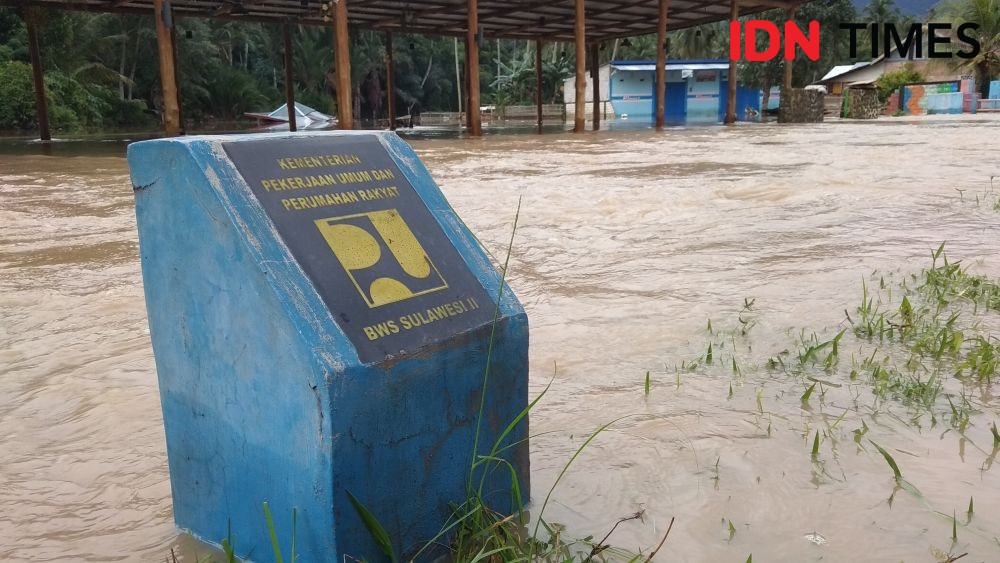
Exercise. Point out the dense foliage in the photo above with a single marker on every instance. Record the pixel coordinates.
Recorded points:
(892, 80)
(102, 70)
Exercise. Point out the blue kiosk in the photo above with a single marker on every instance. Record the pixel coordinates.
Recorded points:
(322, 322)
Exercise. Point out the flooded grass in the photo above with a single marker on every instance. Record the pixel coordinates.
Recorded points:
(925, 344)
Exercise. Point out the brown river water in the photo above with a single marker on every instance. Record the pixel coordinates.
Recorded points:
(628, 242)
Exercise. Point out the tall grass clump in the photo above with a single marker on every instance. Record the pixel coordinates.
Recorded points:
(475, 531)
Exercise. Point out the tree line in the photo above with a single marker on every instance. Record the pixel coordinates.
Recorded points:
(102, 71)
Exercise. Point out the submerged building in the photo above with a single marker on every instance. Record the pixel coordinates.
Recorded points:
(696, 91)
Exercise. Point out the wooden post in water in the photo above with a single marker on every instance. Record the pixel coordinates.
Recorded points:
(734, 13)
(581, 67)
(661, 65)
(163, 15)
(472, 39)
(36, 70)
(786, 76)
(465, 80)
(390, 72)
(289, 84)
(342, 53)
(538, 83)
(595, 75)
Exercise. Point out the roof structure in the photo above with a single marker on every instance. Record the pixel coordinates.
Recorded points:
(548, 20)
(840, 70)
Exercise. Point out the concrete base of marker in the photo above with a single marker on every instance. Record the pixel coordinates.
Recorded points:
(265, 391)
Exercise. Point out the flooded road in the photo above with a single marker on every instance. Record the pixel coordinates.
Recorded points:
(628, 243)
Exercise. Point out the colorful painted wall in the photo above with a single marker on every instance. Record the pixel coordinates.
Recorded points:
(929, 99)
(992, 103)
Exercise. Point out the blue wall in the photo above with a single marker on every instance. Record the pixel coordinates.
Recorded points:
(699, 98)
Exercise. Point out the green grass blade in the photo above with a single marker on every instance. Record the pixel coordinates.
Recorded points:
(230, 551)
(647, 383)
(889, 460)
(274, 535)
(489, 349)
(562, 474)
(954, 526)
(374, 528)
(815, 450)
(807, 394)
(295, 519)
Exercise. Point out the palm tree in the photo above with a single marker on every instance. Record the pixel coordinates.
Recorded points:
(986, 13)
(707, 41)
(882, 11)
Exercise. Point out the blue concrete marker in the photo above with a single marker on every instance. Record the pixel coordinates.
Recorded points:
(321, 320)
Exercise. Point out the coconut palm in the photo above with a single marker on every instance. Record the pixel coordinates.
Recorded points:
(985, 13)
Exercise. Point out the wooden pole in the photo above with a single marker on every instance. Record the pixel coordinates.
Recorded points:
(595, 75)
(177, 73)
(475, 118)
(465, 80)
(289, 84)
(390, 72)
(661, 66)
(734, 13)
(163, 15)
(342, 50)
(458, 80)
(581, 67)
(786, 77)
(538, 83)
(36, 70)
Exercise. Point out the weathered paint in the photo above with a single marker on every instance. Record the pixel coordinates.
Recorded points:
(927, 99)
(692, 95)
(264, 397)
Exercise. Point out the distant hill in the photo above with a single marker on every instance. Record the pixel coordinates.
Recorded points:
(915, 8)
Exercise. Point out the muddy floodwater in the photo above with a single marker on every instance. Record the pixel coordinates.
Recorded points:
(628, 243)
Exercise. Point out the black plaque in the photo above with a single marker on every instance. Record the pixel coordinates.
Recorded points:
(376, 254)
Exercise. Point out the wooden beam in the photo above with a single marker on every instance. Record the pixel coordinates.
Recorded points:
(342, 51)
(289, 83)
(41, 108)
(475, 117)
(581, 66)
(734, 13)
(390, 74)
(163, 15)
(595, 76)
(538, 83)
(661, 65)
(508, 20)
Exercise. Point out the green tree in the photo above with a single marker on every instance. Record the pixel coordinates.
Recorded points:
(986, 13)
(891, 81)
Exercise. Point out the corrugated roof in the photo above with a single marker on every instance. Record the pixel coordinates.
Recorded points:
(844, 69)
